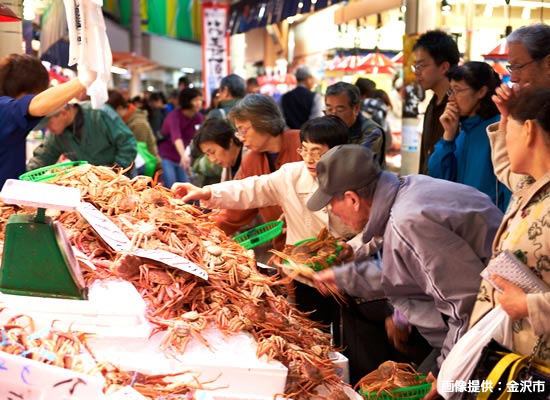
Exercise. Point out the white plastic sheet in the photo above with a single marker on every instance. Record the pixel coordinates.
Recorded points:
(89, 45)
(464, 356)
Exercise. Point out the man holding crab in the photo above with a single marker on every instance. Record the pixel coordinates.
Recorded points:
(436, 235)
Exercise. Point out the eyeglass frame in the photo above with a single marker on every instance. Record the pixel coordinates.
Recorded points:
(309, 153)
(419, 67)
(517, 68)
(454, 92)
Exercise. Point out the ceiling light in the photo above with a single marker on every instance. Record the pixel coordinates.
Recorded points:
(445, 7)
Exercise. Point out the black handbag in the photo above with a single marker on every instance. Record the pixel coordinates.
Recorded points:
(503, 367)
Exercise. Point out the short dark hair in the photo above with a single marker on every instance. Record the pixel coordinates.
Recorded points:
(235, 84)
(262, 112)
(440, 46)
(22, 73)
(116, 99)
(366, 87)
(186, 96)
(183, 80)
(329, 130)
(352, 91)
(477, 74)
(218, 131)
(532, 103)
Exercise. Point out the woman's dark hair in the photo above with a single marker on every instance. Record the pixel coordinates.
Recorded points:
(329, 130)
(22, 73)
(116, 99)
(477, 74)
(186, 96)
(532, 104)
(218, 131)
(262, 112)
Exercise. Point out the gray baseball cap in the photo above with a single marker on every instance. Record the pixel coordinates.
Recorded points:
(342, 168)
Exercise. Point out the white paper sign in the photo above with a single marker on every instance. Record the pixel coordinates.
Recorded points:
(118, 241)
(126, 393)
(172, 260)
(104, 227)
(25, 379)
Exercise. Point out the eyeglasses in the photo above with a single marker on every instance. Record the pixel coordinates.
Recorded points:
(338, 110)
(454, 92)
(242, 131)
(314, 154)
(517, 68)
(420, 67)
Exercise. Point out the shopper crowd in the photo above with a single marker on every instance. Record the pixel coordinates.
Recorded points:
(420, 242)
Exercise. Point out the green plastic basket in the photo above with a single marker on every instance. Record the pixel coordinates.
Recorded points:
(409, 393)
(260, 234)
(50, 172)
(317, 266)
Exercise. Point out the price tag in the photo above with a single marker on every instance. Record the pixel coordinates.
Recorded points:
(104, 227)
(172, 260)
(24, 379)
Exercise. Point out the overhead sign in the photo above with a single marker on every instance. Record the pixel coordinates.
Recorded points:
(215, 46)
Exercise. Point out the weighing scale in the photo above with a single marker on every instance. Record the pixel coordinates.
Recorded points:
(37, 258)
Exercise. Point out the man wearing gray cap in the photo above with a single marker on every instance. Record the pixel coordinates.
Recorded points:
(301, 104)
(437, 238)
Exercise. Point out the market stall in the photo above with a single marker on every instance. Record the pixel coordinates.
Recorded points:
(161, 290)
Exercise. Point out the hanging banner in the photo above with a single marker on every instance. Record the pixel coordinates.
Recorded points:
(215, 46)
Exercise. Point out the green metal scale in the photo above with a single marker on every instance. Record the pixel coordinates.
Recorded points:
(37, 258)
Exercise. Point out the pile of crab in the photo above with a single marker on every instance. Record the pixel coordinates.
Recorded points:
(236, 297)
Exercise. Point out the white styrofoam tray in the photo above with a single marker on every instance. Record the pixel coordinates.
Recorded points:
(113, 308)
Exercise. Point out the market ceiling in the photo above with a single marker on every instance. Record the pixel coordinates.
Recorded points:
(249, 14)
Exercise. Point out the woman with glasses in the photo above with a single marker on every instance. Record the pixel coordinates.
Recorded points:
(463, 154)
(261, 128)
(529, 66)
(289, 187)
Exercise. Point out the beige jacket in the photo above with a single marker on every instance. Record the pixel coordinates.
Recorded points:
(525, 231)
(289, 187)
(499, 156)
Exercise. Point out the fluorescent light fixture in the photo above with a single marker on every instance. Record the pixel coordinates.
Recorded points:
(187, 70)
(526, 13)
(28, 10)
(488, 12)
(118, 70)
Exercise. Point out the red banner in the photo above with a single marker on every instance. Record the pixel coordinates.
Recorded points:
(215, 46)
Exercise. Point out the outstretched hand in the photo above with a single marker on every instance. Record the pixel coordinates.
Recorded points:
(432, 394)
(325, 282)
(188, 191)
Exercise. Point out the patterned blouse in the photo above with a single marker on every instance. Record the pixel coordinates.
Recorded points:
(525, 231)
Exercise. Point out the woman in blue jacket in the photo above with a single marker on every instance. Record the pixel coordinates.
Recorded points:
(463, 154)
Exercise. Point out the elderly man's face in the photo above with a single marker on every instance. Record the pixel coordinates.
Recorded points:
(526, 70)
(339, 105)
(351, 210)
(58, 122)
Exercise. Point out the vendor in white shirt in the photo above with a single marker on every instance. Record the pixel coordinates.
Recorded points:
(289, 187)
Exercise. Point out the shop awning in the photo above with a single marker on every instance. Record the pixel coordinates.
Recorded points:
(500, 52)
(499, 68)
(377, 63)
(249, 14)
(132, 61)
